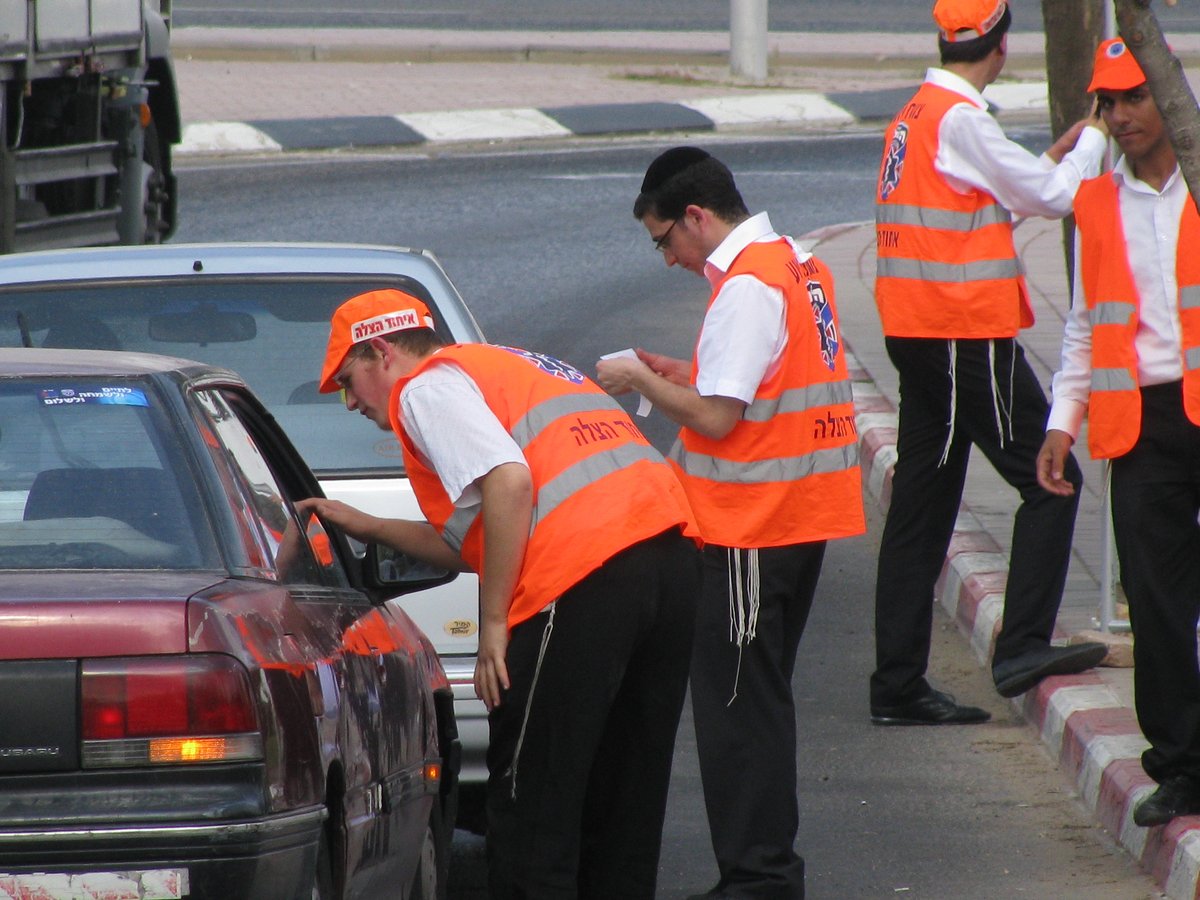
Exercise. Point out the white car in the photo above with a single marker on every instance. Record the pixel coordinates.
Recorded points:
(263, 311)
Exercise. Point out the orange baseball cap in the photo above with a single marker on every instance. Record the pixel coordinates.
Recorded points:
(965, 20)
(1115, 68)
(365, 316)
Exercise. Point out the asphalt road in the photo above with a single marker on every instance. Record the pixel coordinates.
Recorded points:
(833, 16)
(972, 813)
(543, 246)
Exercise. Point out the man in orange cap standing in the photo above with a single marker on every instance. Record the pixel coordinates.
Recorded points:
(952, 298)
(1131, 362)
(534, 478)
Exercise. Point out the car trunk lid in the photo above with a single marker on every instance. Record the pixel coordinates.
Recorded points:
(63, 615)
(48, 622)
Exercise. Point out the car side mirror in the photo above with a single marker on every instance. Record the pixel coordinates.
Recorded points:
(390, 572)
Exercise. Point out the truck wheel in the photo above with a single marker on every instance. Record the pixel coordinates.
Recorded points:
(155, 188)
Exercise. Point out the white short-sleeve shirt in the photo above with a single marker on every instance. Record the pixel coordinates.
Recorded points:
(454, 430)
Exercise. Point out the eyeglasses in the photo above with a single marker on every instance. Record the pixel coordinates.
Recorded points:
(661, 243)
(344, 379)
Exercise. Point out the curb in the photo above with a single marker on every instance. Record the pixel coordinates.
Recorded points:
(1084, 725)
(593, 47)
(715, 114)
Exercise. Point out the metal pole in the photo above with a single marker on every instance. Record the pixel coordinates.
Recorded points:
(1109, 574)
(748, 39)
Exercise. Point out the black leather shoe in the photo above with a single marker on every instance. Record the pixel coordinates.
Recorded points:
(934, 708)
(1179, 795)
(1019, 674)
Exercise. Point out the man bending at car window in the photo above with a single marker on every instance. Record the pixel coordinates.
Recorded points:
(532, 477)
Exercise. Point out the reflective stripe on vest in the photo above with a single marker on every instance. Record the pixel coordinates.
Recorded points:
(588, 470)
(1113, 380)
(533, 422)
(948, 273)
(567, 482)
(455, 530)
(799, 400)
(1187, 273)
(1111, 312)
(944, 219)
(559, 489)
(764, 471)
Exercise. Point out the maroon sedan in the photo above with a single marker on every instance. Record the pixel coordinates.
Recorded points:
(201, 695)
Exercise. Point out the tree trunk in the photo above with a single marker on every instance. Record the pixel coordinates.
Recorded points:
(1073, 28)
(1164, 73)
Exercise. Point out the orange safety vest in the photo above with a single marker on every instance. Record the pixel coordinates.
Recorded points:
(598, 485)
(788, 471)
(1115, 403)
(946, 265)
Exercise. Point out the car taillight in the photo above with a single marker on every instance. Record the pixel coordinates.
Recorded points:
(167, 710)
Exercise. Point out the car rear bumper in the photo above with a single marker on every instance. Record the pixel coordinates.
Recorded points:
(266, 858)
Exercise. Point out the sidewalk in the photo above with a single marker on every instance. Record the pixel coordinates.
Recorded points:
(1087, 721)
(269, 91)
(272, 90)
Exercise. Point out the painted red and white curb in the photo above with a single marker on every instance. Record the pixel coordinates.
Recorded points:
(1082, 721)
(723, 113)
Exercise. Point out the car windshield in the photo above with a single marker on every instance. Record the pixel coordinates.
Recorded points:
(92, 477)
(271, 331)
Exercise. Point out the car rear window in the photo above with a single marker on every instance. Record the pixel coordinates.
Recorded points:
(271, 331)
(91, 477)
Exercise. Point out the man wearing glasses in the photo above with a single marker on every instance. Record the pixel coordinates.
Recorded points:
(767, 453)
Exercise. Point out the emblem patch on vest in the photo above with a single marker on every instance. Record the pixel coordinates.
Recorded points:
(826, 327)
(893, 161)
(549, 365)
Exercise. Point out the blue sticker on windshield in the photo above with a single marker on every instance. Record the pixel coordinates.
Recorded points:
(106, 396)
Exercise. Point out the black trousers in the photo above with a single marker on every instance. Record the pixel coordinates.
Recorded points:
(1155, 502)
(746, 721)
(927, 491)
(576, 810)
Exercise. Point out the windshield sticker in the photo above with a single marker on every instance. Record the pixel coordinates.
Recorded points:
(106, 396)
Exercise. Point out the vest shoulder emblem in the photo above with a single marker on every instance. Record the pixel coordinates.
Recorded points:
(826, 328)
(893, 161)
(549, 364)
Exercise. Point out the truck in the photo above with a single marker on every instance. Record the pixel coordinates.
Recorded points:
(88, 114)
